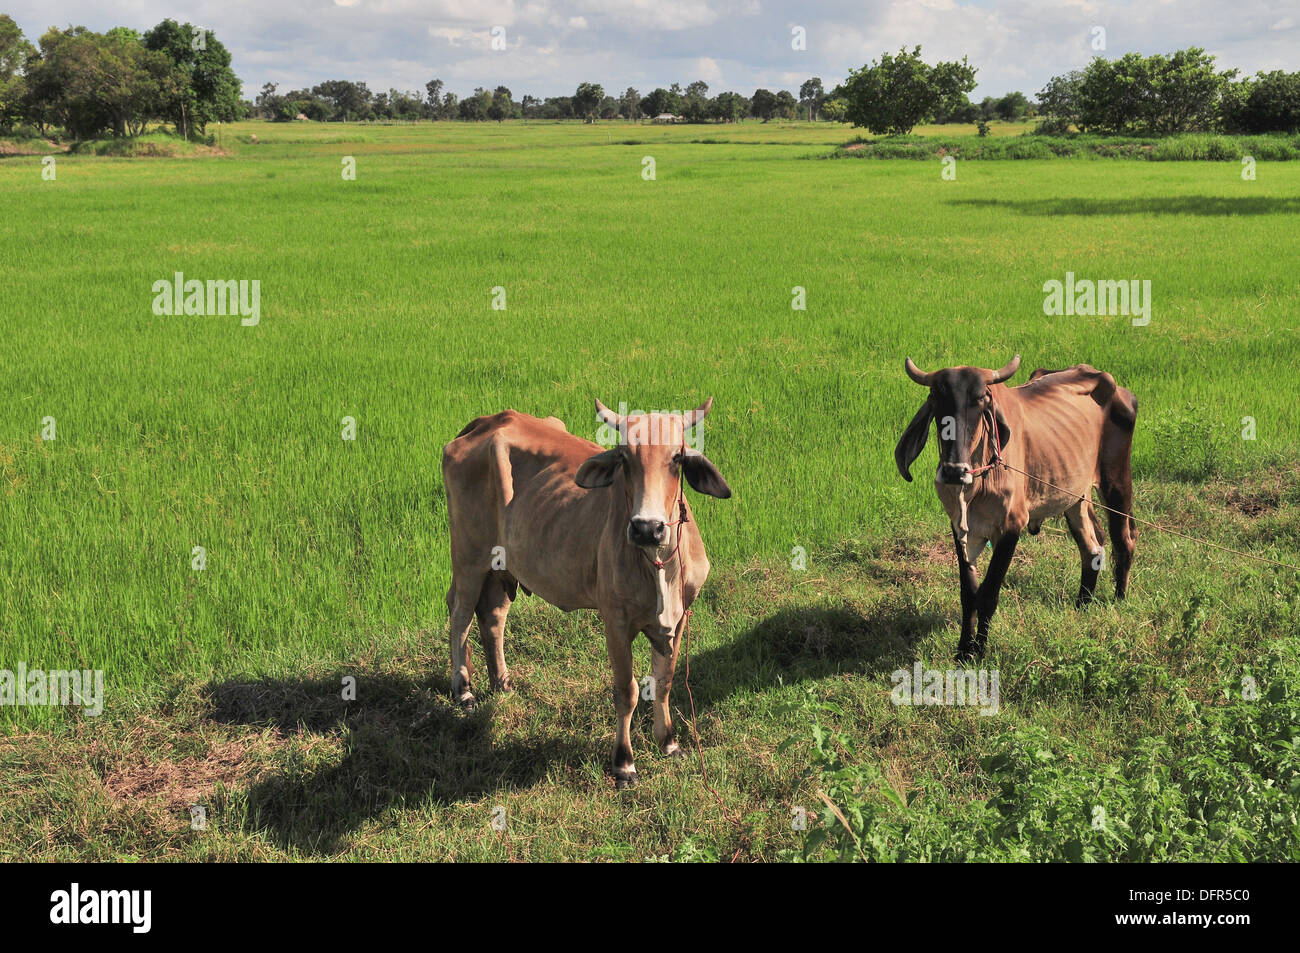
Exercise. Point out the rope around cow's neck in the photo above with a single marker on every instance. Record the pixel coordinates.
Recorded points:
(681, 521)
(992, 417)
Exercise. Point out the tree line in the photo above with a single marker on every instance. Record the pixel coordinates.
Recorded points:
(1168, 94)
(91, 84)
(344, 100)
(117, 83)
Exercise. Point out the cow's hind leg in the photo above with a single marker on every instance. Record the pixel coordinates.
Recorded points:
(618, 643)
(462, 598)
(1088, 536)
(493, 607)
(1117, 486)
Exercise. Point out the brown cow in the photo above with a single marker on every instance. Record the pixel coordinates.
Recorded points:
(583, 527)
(1072, 429)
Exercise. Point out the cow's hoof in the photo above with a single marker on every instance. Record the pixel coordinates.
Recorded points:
(625, 778)
(966, 656)
(467, 702)
(674, 750)
(502, 684)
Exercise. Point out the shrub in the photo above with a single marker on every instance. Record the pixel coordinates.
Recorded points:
(1221, 785)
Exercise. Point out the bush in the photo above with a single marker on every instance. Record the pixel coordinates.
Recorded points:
(1221, 785)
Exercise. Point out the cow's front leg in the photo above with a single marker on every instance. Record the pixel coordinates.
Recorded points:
(987, 597)
(618, 644)
(966, 575)
(663, 668)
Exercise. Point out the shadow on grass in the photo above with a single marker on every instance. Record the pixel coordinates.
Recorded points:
(799, 644)
(1203, 205)
(404, 741)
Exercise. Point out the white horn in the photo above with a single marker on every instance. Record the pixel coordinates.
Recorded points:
(607, 416)
(693, 417)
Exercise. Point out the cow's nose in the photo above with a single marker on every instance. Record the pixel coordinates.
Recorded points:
(645, 532)
(955, 473)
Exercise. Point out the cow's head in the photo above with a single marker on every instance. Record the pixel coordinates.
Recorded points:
(959, 400)
(652, 457)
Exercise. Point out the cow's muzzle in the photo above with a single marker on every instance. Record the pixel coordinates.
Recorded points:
(647, 532)
(954, 474)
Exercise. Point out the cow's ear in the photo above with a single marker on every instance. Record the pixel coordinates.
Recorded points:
(913, 440)
(703, 476)
(600, 470)
(1004, 431)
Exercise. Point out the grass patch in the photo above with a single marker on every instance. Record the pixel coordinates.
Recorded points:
(149, 145)
(1187, 148)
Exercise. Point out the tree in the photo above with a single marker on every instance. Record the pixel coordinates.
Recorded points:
(811, 95)
(835, 109)
(1012, 107)
(433, 92)
(503, 105)
(729, 107)
(891, 96)
(786, 106)
(557, 107)
(763, 104)
(958, 109)
(349, 101)
(405, 106)
(630, 104)
(587, 100)
(1186, 90)
(272, 106)
(14, 54)
(660, 101)
(91, 83)
(475, 107)
(695, 102)
(1160, 95)
(1058, 101)
(209, 89)
(1269, 103)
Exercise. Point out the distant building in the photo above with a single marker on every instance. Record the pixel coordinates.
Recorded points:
(667, 117)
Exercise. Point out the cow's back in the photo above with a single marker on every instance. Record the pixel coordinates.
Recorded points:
(511, 497)
(1062, 417)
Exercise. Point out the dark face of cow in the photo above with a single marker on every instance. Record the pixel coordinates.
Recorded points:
(961, 404)
(653, 459)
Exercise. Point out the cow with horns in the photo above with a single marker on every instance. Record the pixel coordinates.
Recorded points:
(531, 506)
(1011, 457)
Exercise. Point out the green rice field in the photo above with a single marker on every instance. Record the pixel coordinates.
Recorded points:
(128, 439)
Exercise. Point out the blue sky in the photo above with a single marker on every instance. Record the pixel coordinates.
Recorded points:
(551, 46)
